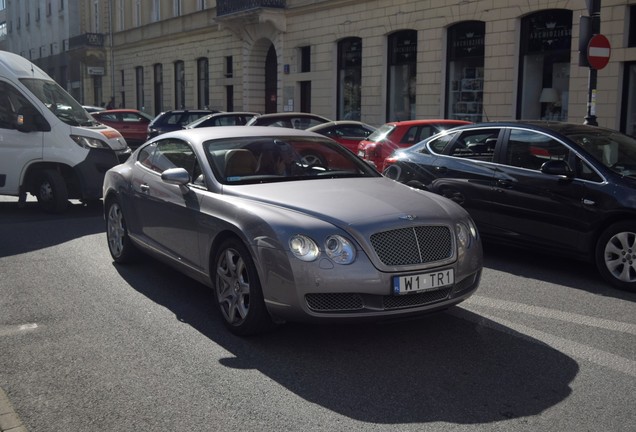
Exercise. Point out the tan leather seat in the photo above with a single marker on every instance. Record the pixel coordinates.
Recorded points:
(239, 162)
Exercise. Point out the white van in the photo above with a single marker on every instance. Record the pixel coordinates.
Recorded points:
(50, 146)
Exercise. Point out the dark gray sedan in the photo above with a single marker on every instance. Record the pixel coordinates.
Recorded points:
(279, 238)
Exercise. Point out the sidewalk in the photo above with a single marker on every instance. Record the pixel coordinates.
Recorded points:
(9, 420)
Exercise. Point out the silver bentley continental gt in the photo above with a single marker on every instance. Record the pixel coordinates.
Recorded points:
(287, 225)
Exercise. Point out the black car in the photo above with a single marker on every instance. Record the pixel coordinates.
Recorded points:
(290, 120)
(564, 188)
(175, 120)
(238, 118)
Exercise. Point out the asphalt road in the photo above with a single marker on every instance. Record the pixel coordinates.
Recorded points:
(86, 345)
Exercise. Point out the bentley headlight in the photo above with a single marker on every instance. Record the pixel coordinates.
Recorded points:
(304, 248)
(340, 250)
(466, 233)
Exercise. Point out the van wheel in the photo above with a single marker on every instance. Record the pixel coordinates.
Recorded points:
(616, 255)
(51, 192)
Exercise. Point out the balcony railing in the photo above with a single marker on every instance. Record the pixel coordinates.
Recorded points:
(86, 40)
(226, 7)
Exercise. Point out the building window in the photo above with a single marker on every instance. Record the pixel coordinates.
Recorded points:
(349, 78)
(97, 91)
(176, 8)
(203, 83)
(631, 40)
(402, 65)
(305, 59)
(96, 20)
(121, 15)
(122, 93)
(465, 71)
(229, 67)
(179, 85)
(202, 4)
(628, 111)
(137, 13)
(139, 85)
(544, 79)
(305, 96)
(156, 11)
(229, 98)
(158, 87)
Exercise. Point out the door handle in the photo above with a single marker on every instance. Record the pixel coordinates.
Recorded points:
(144, 187)
(441, 169)
(504, 183)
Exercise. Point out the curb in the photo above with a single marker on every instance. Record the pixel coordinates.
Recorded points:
(9, 420)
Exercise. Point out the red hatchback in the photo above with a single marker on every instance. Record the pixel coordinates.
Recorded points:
(395, 135)
(132, 124)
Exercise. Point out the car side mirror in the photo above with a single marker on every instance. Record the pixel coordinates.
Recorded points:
(30, 120)
(176, 176)
(558, 168)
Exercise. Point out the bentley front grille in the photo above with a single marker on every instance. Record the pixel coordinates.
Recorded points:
(417, 245)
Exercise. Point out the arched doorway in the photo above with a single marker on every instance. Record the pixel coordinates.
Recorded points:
(271, 81)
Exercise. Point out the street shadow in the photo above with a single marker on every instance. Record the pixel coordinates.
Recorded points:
(27, 228)
(549, 268)
(440, 367)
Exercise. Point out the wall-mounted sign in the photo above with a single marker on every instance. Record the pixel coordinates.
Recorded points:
(95, 70)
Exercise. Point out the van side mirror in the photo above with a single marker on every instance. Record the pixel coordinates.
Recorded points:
(29, 120)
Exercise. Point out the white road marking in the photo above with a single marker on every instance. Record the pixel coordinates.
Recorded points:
(8, 330)
(566, 346)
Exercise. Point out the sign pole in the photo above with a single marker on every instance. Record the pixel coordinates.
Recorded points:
(594, 8)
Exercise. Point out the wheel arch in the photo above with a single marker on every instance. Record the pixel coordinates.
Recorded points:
(30, 177)
(611, 219)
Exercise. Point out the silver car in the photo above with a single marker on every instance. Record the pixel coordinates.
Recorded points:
(279, 238)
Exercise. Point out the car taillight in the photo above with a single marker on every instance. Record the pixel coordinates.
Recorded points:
(390, 160)
(375, 151)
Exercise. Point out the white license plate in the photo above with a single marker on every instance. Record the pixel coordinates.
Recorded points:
(422, 282)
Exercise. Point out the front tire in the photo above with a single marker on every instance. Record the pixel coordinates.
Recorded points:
(51, 192)
(119, 244)
(238, 291)
(616, 255)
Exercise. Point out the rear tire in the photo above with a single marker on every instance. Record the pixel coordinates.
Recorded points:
(119, 244)
(616, 255)
(237, 290)
(51, 191)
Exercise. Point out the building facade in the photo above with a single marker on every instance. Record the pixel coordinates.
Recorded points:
(373, 60)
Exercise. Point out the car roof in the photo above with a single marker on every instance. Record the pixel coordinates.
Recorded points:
(340, 123)
(563, 128)
(200, 135)
(293, 114)
(428, 121)
(118, 110)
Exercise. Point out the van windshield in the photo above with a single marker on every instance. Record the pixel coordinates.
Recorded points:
(59, 102)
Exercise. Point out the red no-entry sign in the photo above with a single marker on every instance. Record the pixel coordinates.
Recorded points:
(598, 51)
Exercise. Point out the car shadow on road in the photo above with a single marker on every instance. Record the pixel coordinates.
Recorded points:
(549, 268)
(27, 228)
(439, 367)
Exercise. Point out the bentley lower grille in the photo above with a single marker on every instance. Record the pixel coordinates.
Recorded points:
(417, 245)
(334, 302)
(349, 302)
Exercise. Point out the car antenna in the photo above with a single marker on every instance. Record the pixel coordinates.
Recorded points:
(485, 113)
